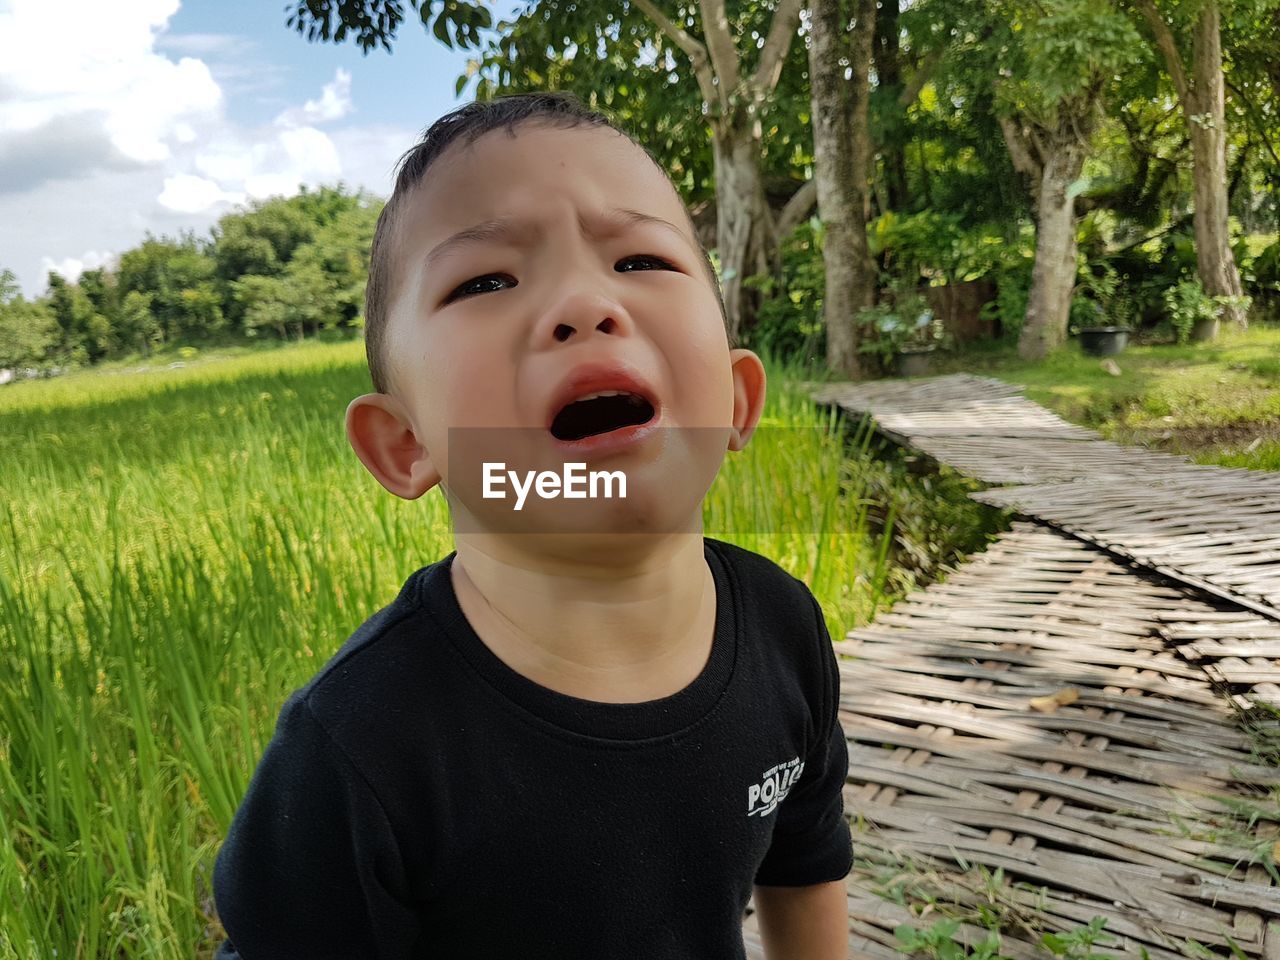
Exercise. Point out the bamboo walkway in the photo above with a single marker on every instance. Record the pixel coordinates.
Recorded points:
(1055, 733)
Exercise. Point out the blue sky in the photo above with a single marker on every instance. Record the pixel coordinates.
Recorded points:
(162, 115)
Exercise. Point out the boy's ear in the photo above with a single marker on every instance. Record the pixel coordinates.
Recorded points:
(381, 434)
(748, 396)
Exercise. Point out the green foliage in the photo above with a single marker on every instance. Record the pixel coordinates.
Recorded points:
(790, 323)
(939, 941)
(373, 23)
(138, 330)
(616, 59)
(1079, 942)
(1187, 303)
(287, 305)
(1099, 298)
(936, 245)
(903, 319)
(27, 330)
(283, 267)
(1013, 293)
(82, 331)
(178, 277)
(1070, 45)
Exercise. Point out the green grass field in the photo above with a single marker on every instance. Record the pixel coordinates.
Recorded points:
(180, 549)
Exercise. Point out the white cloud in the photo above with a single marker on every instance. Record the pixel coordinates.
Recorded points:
(334, 104)
(185, 193)
(103, 71)
(72, 267)
(266, 162)
(205, 44)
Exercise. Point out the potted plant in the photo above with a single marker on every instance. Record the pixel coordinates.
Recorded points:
(1102, 297)
(1193, 314)
(906, 332)
(1097, 337)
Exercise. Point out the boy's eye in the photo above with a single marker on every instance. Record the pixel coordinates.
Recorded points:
(466, 289)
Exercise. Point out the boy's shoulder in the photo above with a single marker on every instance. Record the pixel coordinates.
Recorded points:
(764, 584)
(381, 663)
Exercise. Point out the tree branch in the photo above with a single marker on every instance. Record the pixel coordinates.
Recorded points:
(1021, 153)
(1164, 40)
(695, 51)
(724, 55)
(796, 209)
(785, 24)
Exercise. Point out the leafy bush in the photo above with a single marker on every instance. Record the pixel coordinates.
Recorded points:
(903, 320)
(1013, 291)
(1102, 298)
(935, 245)
(1187, 303)
(790, 323)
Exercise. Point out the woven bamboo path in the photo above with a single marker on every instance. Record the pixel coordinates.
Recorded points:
(1213, 527)
(1112, 804)
(1054, 733)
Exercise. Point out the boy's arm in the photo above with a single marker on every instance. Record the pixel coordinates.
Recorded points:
(310, 867)
(800, 888)
(804, 923)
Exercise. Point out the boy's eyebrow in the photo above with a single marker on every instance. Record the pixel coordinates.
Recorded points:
(614, 220)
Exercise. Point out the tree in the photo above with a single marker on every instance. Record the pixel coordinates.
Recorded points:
(9, 289)
(538, 51)
(746, 236)
(83, 335)
(178, 275)
(1046, 65)
(1201, 93)
(137, 329)
(297, 301)
(339, 251)
(27, 329)
(842, 149)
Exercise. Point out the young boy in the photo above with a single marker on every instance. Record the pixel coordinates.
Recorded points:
(588, 732)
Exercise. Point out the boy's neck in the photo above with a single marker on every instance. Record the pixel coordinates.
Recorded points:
(636, 627)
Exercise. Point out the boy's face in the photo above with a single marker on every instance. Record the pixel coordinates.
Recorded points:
(507, 331)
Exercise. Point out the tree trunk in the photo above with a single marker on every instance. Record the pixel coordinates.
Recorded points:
(746, 239)
(744, 223)
(1206, 120)
(1054, 276)
(841, 151)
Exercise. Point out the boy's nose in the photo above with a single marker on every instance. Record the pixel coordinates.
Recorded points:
(564, 331)
(583, 314)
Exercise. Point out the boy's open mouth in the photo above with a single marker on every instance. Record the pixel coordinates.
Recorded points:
(600, 412)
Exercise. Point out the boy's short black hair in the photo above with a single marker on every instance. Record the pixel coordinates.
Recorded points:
(472, 121)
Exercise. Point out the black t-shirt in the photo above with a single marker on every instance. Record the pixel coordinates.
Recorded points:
(421, 799)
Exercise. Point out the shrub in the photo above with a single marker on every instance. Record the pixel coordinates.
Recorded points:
(790, 322)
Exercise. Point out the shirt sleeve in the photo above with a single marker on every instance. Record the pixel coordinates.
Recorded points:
(310, 866)
(811, 838)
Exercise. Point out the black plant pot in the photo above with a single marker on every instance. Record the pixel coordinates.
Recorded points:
(914, 361)
(1103, 341)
